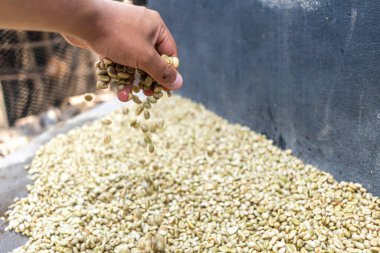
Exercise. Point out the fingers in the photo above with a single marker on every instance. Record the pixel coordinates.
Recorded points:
(165, 43)
(159, 69)
(162, 72)
(123, 95)
(148, 93)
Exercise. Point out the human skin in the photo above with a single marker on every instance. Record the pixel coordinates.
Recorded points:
(126, 34)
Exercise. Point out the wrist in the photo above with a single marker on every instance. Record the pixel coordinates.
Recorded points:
(85, 19)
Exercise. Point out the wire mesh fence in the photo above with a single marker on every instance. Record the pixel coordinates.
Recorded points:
(39, 69)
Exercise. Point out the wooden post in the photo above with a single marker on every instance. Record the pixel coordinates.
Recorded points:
(3, 110)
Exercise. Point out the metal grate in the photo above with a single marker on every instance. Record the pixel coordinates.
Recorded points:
(38, 70)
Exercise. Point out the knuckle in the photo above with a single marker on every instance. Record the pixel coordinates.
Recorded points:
(168, 74)
(145, 10)
(155, 14)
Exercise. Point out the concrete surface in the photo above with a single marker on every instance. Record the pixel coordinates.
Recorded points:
(304, 72)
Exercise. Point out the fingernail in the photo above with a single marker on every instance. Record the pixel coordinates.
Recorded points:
(177, 83)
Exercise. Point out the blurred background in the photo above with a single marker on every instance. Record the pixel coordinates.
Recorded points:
(42, 78)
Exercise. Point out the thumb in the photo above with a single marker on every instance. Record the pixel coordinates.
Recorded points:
(161, 71)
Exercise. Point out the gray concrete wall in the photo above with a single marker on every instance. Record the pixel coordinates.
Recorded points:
(304, 72)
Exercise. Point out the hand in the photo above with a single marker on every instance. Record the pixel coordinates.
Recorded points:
(132, 36)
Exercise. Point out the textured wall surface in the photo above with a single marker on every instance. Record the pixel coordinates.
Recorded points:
(304, 72)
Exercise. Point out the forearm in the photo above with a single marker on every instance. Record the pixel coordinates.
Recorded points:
(126, 34)
(65, 16)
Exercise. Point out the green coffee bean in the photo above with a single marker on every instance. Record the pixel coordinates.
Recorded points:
(148, 81)
(136, 89)
(147, 105)
(107, 139)
(102, 66)
(139, 110)
(121, 82)
(146, 114)
(160, 123)
(136, 99)
(125, 111)
(167, 59)
(112, 72)
(120, 68)
(101, 72)
(151, 100)
(97, 64)
(144, 127)
(130, 70)
(153, 128)
(142, 143)
(107, 61)
(101, 85)
(106, 122)
(104, 78)
(123, 75)
(175, 62)
(120, 87)
(158, 89)
(148, 138)
(133, 122)
(88, 97)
